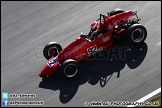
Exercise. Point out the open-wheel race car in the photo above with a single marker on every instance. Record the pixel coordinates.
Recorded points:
(116, 25)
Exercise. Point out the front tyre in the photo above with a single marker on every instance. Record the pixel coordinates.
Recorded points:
(136, 34)
(51, 49)
(69, 68)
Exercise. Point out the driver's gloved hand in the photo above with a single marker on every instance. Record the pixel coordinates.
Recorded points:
(104, 16)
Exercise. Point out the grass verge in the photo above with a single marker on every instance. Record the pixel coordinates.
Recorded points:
(156, 98)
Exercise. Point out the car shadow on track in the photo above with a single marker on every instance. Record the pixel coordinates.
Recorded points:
(97, 69)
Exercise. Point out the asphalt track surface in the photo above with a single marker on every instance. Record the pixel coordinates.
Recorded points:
(27, 26)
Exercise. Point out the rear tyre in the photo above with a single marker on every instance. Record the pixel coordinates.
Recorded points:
(116, 11)
(69, 68)
(51, 49)
(136, 34)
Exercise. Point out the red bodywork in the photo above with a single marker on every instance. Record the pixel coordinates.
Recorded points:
(81, 48)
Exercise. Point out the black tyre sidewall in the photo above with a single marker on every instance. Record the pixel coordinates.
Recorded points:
(48, 46)
(131, 29)
(116, 11)
(66, 63)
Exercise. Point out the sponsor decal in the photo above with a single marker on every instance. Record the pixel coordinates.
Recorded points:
(80, 55)
(100, 48)
(76, 48)
(110, 26)
(105, 39)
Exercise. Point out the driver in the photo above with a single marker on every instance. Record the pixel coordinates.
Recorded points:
(95, 28)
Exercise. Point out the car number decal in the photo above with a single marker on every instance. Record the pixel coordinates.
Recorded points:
(52, 62)
(92, 50)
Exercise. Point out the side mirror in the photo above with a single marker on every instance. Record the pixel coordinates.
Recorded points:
(134, 12)
(108, 14)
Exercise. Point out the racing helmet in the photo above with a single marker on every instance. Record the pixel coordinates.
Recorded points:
(94, 25)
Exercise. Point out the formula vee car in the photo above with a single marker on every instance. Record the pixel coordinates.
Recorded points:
(117, 25)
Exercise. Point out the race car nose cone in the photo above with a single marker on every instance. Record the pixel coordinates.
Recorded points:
(47, 70)
(40, 74)
(44, 71)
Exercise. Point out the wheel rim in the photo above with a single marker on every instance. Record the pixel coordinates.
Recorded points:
(138, 35)
(71, 70)
(52, 51)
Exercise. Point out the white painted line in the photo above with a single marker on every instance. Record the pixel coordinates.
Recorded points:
(147, 96)
(159, 43)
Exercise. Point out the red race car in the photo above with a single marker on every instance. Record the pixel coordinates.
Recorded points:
(117, 25)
